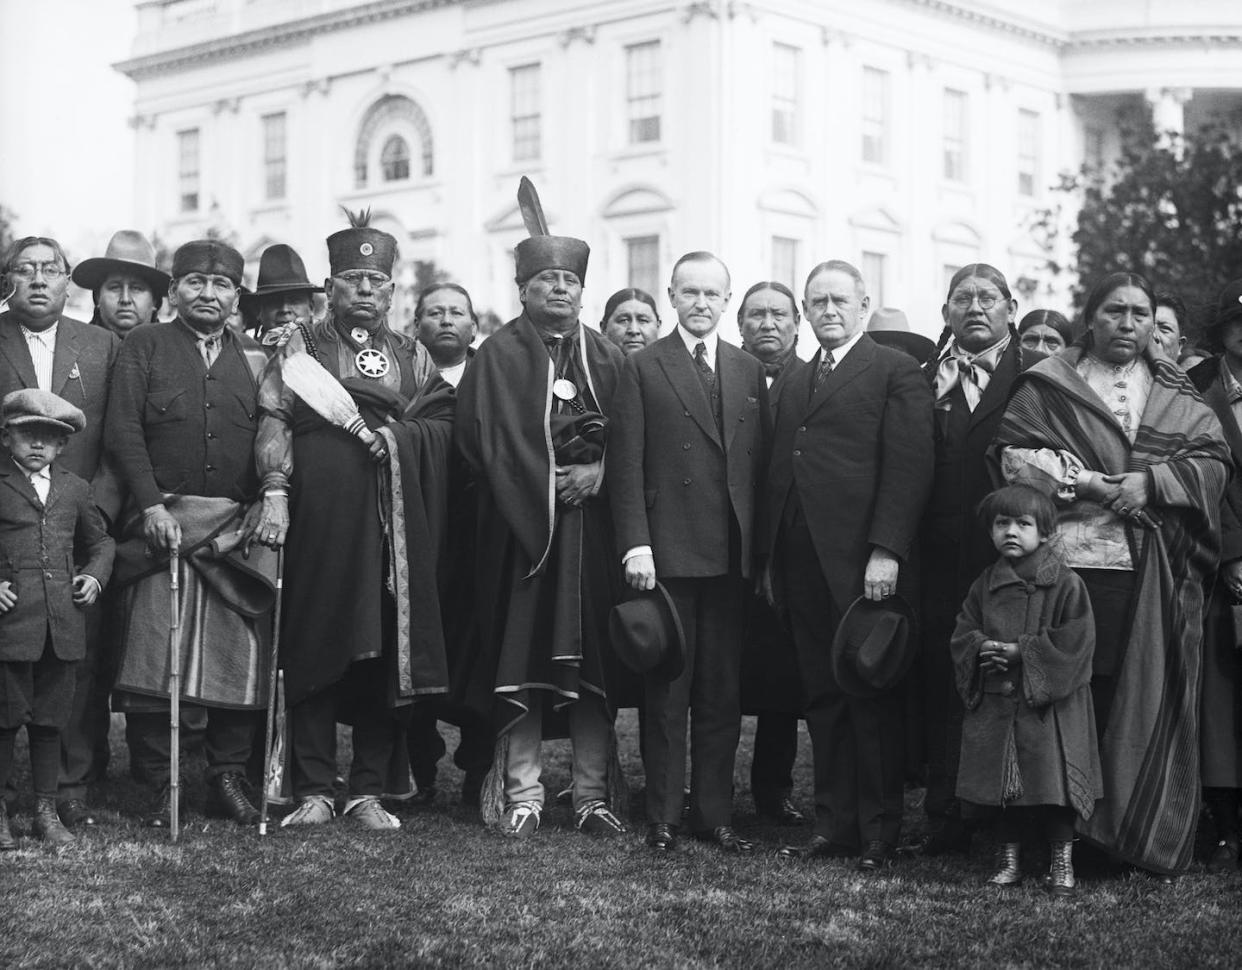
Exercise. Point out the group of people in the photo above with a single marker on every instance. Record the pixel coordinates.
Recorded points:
(1007, 563)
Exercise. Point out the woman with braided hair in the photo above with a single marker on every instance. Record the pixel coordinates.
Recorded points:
(1136, 463)
(978, 358)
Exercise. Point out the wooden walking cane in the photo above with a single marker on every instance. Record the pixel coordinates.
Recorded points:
(269, 744)
(174, 695)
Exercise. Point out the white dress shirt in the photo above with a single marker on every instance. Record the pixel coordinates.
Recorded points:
(42, 346)
(709, 343)
(41, 480)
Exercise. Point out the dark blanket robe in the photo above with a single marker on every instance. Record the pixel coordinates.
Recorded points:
(546, 575)
(1150, 745)
(354, 587)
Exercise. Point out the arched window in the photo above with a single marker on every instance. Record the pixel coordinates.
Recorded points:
(395, 159)
(389, 115)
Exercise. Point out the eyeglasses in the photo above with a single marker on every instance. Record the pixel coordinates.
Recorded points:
(28, 271)
(197, 282)
(963, 301)
(354, 277)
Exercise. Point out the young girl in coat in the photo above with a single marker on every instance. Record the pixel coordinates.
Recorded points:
(1022, 658)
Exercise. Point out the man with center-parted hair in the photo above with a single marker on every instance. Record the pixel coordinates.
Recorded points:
(684, 464)
(851, 469)
(182, 418)
(42, 348)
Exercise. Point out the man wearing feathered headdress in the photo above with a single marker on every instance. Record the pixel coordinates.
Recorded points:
(532, 428)
(361, 633)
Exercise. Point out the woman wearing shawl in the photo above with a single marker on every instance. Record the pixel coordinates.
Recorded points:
(1137, 465)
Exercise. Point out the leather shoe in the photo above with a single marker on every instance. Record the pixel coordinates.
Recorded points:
(75, 813)
(876, 856)
(228, 799)
(726, 839)
(1225, 856)
(818, 848)
(7, 842)
(661, 836)
(780, 810)
(47, 824)
(160, 814)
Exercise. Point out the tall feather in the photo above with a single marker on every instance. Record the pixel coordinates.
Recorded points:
(323, 393)
(532, 211)
(358, 219)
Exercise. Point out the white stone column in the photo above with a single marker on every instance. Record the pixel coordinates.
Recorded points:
(1168, 114)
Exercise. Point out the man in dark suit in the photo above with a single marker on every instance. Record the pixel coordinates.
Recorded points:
(851, 468)
(683, 465)
(971, 378)
(41, 348)
(771, 688)
(182, 418)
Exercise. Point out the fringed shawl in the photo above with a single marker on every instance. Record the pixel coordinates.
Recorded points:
(1150, 745)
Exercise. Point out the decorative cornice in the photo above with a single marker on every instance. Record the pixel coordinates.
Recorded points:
(1094, 39)
(959, 11)
(586, 34)
(704, 7)
(277, 35)
(467, 55)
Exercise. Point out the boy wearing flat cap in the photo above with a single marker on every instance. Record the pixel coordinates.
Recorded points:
(44, 512)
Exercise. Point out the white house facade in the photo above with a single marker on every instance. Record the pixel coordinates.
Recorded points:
(908, 136)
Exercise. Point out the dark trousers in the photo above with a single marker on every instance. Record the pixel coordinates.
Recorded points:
(84, 752)
(706, 694)
(856, 743)
(227, 743)
(361, 697)
(775, 751)
(474, 750)
(44, 748)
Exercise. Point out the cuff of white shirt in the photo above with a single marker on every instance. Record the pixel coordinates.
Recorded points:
(98, 584)
(1084, 478)
(636, 551)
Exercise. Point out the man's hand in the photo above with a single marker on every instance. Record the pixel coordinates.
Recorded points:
(268, 521)
(1231, 573)
(161, 529)
(86, 589)
(8, 598)
(997, 656)
(576, 483)
(880, 579)
(640, 572)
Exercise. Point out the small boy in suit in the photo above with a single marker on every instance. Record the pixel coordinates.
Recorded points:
(46, 513)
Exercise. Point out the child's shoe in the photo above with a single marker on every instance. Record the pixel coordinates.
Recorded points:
(47, 824)
(1061, 872)
(1008, 866)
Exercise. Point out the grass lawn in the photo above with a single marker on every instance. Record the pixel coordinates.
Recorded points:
(445, 892)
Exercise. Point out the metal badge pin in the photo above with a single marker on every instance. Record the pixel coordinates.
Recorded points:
(564, 390)
(359, 335)
(371, 363)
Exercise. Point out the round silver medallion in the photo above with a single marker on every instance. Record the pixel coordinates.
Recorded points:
(366, 249)
(371, 363)
(564, 390)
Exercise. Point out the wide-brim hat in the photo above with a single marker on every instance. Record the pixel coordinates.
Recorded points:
(874, 646)
(1228, 304)
(646, 633)
(281, 270)
(128, 251)
(915, 344)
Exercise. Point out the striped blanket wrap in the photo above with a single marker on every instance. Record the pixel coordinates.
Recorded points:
(1150, 746)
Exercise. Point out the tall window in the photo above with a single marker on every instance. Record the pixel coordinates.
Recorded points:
(786, 82)
(875, 120)
(274, 156)
(643, 257)
(395, 159)
(874, 270)
(187, 169)
(956, 104)
(785, 261)
(1028, 151)
(644, 91)
(524, 112)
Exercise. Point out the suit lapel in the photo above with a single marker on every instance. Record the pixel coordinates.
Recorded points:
(13, 346)
(16, 479)
(996, 395)
(57, 488)
(68, 347)
(1214, 397)
(857, 362)
(679, 368)
(731, 372)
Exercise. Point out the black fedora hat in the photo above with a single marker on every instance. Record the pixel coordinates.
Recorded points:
(874, 646)
(281, 270)
(646, 634)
